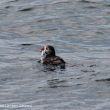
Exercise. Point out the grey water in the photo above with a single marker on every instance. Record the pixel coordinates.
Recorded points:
(80, 32)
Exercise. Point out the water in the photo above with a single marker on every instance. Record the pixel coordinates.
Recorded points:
(80, 32)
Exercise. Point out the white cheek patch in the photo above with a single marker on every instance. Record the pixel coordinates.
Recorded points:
(44, 53)
(43, 56)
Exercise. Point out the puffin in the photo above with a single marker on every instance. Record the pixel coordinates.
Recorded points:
(49, 57)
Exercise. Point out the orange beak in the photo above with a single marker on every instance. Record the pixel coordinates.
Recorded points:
(41, 49)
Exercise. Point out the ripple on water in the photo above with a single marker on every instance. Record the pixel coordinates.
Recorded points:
(79, 30)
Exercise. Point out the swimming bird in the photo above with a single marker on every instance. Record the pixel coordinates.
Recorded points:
(48, 57)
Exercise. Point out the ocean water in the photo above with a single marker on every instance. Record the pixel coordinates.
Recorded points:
(80, 32)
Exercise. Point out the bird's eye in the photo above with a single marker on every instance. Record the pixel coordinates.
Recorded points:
(46, 48)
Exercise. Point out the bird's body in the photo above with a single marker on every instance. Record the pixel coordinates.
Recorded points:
(48, 57)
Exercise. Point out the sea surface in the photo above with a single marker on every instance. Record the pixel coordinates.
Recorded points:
(80, 32)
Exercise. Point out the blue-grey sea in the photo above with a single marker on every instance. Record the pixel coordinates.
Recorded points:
(80, 32)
